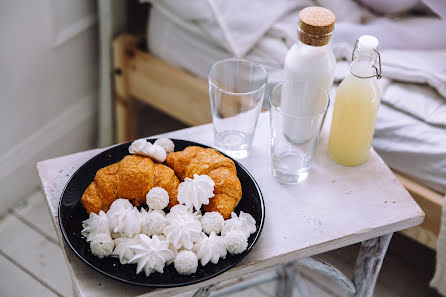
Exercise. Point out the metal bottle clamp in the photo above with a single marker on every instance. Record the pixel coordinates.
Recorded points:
(378, 71)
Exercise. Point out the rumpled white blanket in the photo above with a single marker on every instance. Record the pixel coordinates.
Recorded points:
(413, 49)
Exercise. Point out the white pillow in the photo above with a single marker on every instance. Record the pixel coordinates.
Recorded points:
(390, 7)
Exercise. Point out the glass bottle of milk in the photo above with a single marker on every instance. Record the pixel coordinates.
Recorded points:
(311, 60)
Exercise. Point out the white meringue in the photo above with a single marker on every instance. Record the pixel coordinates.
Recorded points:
(196, 192)
(138, 147)
(102, 245)
(119, 208)
(123, 249)
(95, 224)
(117, 214)
(151, 254)
(118, 204)
(180, 208)
(157, 153)
(144, 148)
(236, 242)
(182, 228)
(171, 248)
(166, 144)
(212, 222)
(177, 237)
(244, 222)
(152, 223)
(157, 198)
(210, 248)
(186, 262)
(126, 221)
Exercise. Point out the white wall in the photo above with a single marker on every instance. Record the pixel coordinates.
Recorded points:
(48, 87)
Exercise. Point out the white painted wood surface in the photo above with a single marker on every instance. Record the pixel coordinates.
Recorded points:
(16, 283)
(35, 253)
(33, 211)
(336, 206)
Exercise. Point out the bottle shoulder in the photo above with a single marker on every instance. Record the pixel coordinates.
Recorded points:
(353, 86)
(306, 58)
(350, 80)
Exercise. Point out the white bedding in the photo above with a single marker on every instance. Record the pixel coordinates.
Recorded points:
(410, 131)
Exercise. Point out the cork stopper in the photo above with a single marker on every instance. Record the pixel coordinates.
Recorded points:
(316, 25)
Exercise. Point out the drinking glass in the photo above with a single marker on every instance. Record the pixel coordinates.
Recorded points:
(297, 112)
(236, 89)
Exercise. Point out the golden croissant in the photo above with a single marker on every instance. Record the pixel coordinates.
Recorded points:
(198, 160)
(131, 178)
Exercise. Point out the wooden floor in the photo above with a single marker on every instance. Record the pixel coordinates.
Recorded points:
(32, 264)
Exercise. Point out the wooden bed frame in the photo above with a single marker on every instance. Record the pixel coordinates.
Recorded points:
(139, 76)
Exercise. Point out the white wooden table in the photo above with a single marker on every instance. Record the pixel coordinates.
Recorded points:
(335, 207)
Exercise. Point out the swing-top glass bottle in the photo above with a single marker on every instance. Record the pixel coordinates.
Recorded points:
(356, 105)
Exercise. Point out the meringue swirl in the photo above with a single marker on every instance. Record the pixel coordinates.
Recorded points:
(182, 228)
(124, 220)
(138, 147)
(166, 144)
(151, 254)
(123, 249)
(210, 249)
(144, 148)
(243, 222)
(196, 192)
(95, 224)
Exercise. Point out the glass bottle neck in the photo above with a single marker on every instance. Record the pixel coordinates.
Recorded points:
(299, 42)
(363, 64)
(306, 49)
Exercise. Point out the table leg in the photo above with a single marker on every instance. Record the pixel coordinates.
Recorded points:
(285, 281)
(368, 264)
(329, 271)
(206, 291)
(74, 291)
(367, 267)
(301, 287)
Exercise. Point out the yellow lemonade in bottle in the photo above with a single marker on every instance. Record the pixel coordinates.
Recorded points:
(351, 136)
(356, 106)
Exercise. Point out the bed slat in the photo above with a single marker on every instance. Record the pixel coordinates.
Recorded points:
(431, 202)
(163, 86)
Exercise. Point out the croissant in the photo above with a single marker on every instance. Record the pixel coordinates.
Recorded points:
(198, 160)
(131, 178)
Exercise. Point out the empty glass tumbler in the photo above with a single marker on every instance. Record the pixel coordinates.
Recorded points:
(236, 89)
(297, 112)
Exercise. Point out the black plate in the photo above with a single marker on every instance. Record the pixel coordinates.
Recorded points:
(72, 213)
